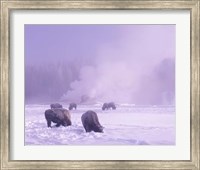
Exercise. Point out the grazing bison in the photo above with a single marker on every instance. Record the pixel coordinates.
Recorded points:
(90, 122)
(55, 105)
(72, 106)
(107, 106)
(59, 115)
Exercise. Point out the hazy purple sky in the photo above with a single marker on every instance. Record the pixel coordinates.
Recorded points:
(122, 63)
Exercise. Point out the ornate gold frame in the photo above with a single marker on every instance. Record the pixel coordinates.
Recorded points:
(7, 6)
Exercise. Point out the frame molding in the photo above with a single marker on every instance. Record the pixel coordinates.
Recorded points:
(8, 5)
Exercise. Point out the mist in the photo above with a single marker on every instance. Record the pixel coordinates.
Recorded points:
(100, 63)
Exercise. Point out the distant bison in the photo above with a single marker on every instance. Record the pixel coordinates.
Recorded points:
(59, 115)
(55, 105)
(107, 106)
(90, 122)
(72, 106)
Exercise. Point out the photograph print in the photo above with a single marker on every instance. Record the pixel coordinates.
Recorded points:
(100, 84)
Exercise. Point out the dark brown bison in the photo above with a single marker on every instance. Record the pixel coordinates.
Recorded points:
(90, 122)
(107, 106)
(55, 105)
(59, 116)
(72, 106)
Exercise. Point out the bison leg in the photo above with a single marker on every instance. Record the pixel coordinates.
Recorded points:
(48, 123)
(87, 128)
(58, 124)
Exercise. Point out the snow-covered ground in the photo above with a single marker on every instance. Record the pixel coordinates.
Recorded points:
(127, 125)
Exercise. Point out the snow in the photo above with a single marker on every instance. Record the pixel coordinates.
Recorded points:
(127, 125)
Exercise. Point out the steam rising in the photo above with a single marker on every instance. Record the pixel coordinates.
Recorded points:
(120, 63)
(124, 82)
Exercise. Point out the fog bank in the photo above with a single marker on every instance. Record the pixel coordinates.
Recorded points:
(98, 63)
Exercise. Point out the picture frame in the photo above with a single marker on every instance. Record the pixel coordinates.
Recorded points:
(5, 107)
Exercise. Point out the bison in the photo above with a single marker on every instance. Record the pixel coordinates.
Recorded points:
(72, 106)
(55, 105)
(59, 116)
(107, 106)
(90, 122)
